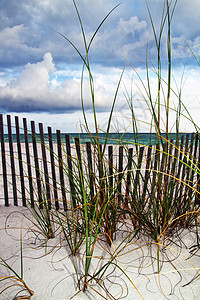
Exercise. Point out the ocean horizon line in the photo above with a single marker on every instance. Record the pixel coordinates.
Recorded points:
(112, 138)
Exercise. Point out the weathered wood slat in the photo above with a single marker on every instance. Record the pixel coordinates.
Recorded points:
(53, 171)
(139, 171)
(62, 182)
(184, 168)
(80, 168)
(101, 171)
(91, 173)
(12, 162)
(128, 177)
(31, 192)
(155, 172)
(3, 157)
(172, 182)
(197, 193)
(120, 175)
(194, 161)
(179, 166)
(147, 175)
(70, 169)
(136, 189)
(37, 169)
(187, 189)
(168, 165)
(110, 171)
(21, 171)
(44, 158)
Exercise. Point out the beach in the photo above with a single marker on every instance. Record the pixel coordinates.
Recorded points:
(48, 269)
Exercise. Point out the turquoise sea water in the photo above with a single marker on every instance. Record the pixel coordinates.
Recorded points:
(113, 138)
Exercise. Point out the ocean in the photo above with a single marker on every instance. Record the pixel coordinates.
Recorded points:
(112, 139)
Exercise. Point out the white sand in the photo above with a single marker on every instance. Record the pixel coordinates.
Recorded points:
(52, 276)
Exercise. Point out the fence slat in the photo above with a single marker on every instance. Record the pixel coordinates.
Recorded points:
(12, 161)
(188, 169)
(28, 162)
(70, 169)
(120, 175)
(129, 172)
(53, 172)
(44, 158)
(180, 164)
(101, 180)
(194, 160)
(173, 184)
(62, 182)
(91, 174)
(21, 171)
(79, 165)
(147, 173)
(110, 162)
(197, 193)
(194, 164)
(136, 187)
(183, 174)
(3, 157)
(169, 164)
(37, 169)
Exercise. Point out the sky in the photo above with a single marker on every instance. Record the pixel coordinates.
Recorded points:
(40, 71)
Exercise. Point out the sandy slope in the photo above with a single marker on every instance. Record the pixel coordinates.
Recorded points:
(52, 276)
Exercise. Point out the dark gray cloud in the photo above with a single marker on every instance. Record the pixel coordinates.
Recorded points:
(35, 91)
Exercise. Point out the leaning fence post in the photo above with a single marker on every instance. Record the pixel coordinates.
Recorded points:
(3, 157)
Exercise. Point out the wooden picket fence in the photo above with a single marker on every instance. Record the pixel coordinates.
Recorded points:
(28, 176)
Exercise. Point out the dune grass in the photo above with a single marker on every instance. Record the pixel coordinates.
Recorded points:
(15, 280)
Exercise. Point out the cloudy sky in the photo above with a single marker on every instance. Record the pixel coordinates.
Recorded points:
(40, 72)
